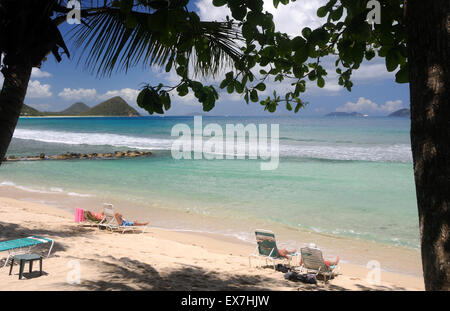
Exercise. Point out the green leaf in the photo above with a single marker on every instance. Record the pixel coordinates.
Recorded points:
(260, 87)
(126, 6)
(230, 88)
(219, 2)
(370, 54)
(322, 11)
(169, 64)
(320, 82)
(300, 87)
(239, 13)
(238, 86)
(392, 60)
(224, 84)
(402, 76)
(288, 106)
(165, 99)
(182, 90)
(141, 98)
(301, 56)
(298, 43)
(306, 32)
(337, 14)
(254, 96)
(130, 22)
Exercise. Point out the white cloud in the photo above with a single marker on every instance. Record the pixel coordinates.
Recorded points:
(292, 18)
(366, 105)
(188, 100)
(391, 106)
(129, 95)
(372, 72)
(78, 94)
(38, 90)
(38, 73)
(289, 18)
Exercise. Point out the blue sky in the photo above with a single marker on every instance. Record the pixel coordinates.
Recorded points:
(58, 85)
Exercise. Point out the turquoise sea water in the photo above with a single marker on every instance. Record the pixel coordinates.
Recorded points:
(344, 176)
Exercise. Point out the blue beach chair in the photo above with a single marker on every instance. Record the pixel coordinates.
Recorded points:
(24, 245)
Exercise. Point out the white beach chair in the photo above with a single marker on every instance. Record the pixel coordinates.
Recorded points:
(312, 261)
(109, 221)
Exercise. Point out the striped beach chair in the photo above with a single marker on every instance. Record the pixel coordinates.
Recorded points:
(24, 245)
(312, 261)
(267, 249)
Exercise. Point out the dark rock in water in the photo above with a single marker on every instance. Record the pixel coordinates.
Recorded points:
(73, 155)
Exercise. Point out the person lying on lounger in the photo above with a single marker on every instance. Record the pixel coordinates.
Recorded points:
(93, 216)
(122, 222)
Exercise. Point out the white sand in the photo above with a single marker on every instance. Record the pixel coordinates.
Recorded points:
(157, 260)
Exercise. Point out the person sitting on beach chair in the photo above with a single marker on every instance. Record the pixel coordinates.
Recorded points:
(122, 222)
(329, 263)
(286, 253)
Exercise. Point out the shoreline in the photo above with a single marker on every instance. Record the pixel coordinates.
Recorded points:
(358, 252)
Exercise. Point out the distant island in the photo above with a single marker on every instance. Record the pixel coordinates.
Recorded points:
(402, 113)
(115, 106)
(345, 114)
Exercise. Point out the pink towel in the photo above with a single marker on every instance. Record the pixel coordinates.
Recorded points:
(79, 215)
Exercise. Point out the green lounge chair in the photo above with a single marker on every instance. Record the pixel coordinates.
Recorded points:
(312, 261)
(24, 245)
(267, 249)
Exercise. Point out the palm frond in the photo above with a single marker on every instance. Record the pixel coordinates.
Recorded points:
(109, 45)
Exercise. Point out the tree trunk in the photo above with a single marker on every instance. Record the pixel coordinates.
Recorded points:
(428, 32)
(11, 101)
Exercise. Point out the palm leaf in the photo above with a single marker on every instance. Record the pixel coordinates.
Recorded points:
(112, 46)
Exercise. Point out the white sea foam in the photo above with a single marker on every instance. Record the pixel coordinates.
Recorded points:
(375, 153)
(52, 190)
(95, 139)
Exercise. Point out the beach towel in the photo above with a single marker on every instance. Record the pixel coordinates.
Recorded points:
(79, 215)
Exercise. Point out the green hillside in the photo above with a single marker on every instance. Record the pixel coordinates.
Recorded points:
(115, 106)
(75, 109)
(402, 113)
(30, 111)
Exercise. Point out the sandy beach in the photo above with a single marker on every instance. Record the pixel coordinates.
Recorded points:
(156, 260)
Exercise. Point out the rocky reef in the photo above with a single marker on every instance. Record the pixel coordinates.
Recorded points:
(73, 155)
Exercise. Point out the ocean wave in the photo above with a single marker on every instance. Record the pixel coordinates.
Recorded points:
(95, 139)
(375, 153)
(347, 152)
(52, 190)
